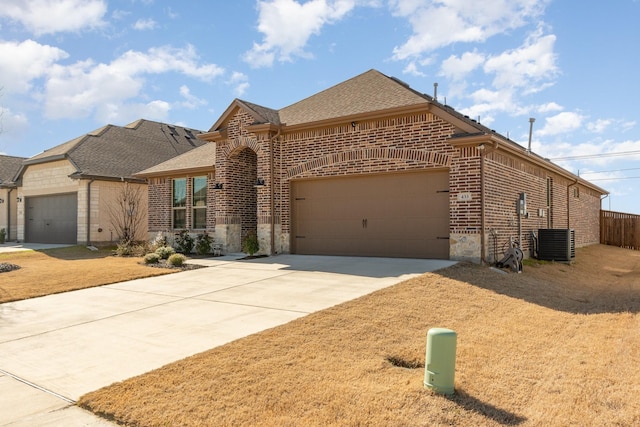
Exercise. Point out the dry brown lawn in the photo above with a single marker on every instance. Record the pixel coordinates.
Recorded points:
(66, 269)
(556, 345)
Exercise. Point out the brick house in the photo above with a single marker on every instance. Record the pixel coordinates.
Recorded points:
(372, 167)
(68, 193)
(9, 166)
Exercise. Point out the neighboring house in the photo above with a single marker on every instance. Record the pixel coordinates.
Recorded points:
(372, 167)
(9, 166)
(71, 192)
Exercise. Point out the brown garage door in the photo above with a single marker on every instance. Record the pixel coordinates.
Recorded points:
(390, 215)
(52, 219)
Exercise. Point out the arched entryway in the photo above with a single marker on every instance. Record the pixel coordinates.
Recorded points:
(241, 196)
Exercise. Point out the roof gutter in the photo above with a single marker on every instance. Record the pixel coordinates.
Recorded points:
(77, 175)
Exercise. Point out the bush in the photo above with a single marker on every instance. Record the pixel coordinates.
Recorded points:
(131, 249)
(250, 244)
(159, 241)
(165, 252)
(177, 260)
(203, 244)
(151, 258)
(184, 241)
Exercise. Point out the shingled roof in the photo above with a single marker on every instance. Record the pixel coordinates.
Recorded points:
(9, 166)
(201, 159)
(121, 151)
(366, 93)
(369, 92)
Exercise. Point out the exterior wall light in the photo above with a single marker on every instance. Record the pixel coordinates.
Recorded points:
(19, 199)
(217, 186)
(259, 182)
(1, 200)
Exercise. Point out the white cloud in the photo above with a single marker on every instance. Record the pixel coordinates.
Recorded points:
(436, 24)
(526, 66)
(457, 68)
(12, 124)
(120, 113)
(145, 24)
(79, 89)
(240, 83)
(550, 107)
(561, 123)
(599, 126)
(22, 62)
(287, 25)
(191, 101)
(53, 16)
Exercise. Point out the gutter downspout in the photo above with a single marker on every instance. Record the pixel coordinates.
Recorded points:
(89, 211)
(483, 153)
(272, 195)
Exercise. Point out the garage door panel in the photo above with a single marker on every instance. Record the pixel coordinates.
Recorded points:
(399, 215)
(52, 219)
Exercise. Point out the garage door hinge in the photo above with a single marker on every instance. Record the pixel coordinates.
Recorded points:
(300, 198)
(442, 191)
(442, 238)
(301, 237)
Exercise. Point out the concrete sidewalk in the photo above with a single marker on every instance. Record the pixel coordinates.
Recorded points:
(19, 247)
(56, 348)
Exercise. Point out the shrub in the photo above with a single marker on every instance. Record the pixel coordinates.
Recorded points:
(159, 241)
(165, 252)
(130, 248)
(250, 244)
(177, 260)
(184, 241)
(203, 244)
(151, 258)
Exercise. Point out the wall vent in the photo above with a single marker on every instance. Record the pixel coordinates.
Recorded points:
(556, 244)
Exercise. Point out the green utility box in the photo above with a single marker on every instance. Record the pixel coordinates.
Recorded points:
(440, 362)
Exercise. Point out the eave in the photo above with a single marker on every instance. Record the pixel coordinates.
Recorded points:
(493, 142)
(177, 172)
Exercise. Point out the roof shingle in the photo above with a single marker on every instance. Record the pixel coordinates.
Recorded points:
(121, 151)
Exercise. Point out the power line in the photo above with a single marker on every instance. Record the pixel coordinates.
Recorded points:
(615, 179)
(595, 156)
(616, 170)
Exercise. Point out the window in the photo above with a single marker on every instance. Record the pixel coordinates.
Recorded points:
(199, 202)
(179, 203)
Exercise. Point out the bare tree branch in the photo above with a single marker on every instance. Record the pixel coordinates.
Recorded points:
(126, 213)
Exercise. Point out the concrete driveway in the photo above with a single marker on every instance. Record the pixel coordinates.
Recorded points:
(56, 348)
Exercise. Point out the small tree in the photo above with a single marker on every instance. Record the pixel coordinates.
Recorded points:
(126, 213)
(250, 244)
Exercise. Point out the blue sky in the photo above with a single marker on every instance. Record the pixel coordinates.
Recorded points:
(70, 66)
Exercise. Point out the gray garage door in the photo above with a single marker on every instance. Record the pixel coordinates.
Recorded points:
(52, 219)
(390, 215)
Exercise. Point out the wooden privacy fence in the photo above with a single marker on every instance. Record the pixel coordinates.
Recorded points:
(620, 229)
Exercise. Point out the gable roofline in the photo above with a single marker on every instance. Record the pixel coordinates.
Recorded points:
(112, 152)
(254, 110)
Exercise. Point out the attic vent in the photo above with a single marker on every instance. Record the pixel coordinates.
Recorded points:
(172, 129)
(556, 244)
(189, 134)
